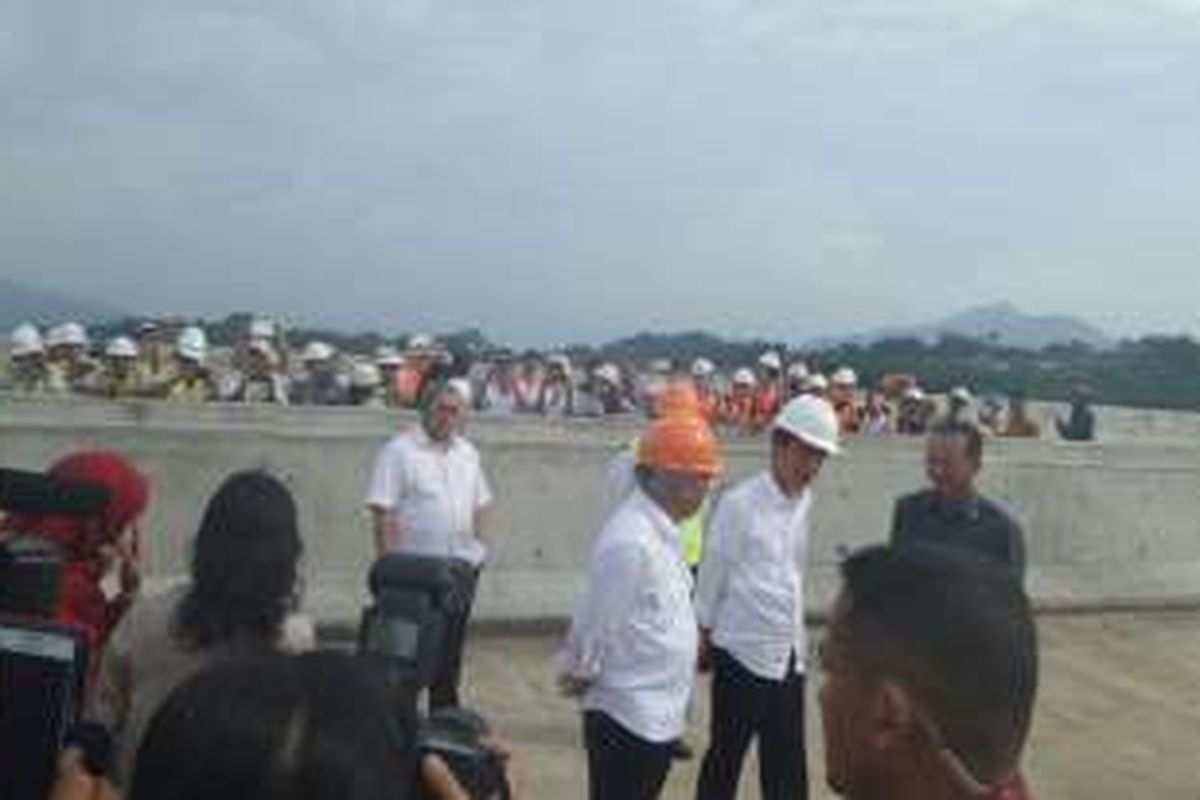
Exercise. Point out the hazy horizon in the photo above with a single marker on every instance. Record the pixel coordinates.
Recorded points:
(554, 171)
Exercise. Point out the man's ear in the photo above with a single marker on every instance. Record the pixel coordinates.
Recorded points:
(892, 715)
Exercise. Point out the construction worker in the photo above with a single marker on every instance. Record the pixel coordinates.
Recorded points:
(366, 385)
(843, 392)
(28, 373)
(797, 374)
(261, 380)
(750, 607)
(389, 361)
(768, 396)
(915, 412)
(420, 358)
(527, 383)
(960, 408)
(558, 390)
(630, 653)
(737, 410)
(118, 378)
(321, 384)
(703, 378)
(1018, 423)
(192, 381)
(816, 384)
(66, 356)
(155, 362)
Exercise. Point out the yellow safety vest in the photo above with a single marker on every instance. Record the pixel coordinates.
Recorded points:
(692, 528)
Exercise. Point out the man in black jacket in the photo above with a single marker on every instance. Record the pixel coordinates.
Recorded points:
(952, 513)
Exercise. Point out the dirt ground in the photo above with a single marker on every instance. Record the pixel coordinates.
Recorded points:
(1118, 715)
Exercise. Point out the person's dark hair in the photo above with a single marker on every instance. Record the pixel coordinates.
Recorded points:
(968, 432)
(958, 633)
(244, 565)
(311, 727)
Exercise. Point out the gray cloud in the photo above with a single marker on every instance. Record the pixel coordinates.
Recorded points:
(558, 170)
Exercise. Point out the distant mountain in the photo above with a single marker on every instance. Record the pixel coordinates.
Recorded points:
(21, 302)
(1000, 323)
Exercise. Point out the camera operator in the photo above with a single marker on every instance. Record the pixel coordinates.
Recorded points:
(311, 727)
(91, 546)
(241, 599)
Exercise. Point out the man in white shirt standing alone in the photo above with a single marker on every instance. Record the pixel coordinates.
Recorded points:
(631, 651)
(750, 606)
(428, 496)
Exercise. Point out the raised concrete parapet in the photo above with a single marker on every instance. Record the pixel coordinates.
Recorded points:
(1113, 523)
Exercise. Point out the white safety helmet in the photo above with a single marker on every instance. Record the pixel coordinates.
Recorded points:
(421, 343)
(914, 393)
(69, 334)
(316, 351)
(461, 387)
(844, 376)
(561, 361)
(816, 383)
(192, 344)
(365, 375)
(703, 368)
(609, 373)
(961, 394)
(121, 347)
(771, 360)
(797, 370)
(26, 341)
(811, 420)
(386, 356)
(744, 377)
(262, 328)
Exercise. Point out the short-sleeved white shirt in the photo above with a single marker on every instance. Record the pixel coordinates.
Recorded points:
(434, 491)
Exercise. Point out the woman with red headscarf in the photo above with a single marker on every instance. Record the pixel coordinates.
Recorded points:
(90, 546)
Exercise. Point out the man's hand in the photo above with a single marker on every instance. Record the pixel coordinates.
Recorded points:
(130, 570)
(572, 685)
(387, 530)
(74, 782)
(440, 781)
(704, 658)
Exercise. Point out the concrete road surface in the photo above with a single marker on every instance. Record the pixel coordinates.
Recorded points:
(1118, 716)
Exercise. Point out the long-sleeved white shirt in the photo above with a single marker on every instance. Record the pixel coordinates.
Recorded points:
(633, 634)
(750, 590)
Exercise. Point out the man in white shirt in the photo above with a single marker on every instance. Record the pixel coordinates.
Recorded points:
(428, 495)
(631, 651)
(750, 606)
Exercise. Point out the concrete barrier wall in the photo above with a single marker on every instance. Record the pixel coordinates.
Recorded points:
(1108, 523)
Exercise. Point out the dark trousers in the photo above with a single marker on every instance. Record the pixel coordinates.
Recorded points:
(443, 691)
(744, 706)
(621, 764)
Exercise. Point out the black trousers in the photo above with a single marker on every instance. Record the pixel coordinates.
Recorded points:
(443, 692)
(621, 764)
(744, 706)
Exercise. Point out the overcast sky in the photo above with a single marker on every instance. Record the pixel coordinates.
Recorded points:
(571, 169)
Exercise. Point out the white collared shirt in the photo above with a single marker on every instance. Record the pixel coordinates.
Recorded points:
(633, 634)
(750, 590)
(434, 491)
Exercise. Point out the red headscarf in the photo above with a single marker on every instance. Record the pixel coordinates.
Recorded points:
(81, 539)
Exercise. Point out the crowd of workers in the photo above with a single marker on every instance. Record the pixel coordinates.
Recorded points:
(929, 662)
(264, 367)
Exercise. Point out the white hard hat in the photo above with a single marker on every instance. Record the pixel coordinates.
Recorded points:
(69, 334)
(797, 370)
(844, 376)
(914, 393)
(559, 360)
(192, 343)
(121, 347)
(386, 356)
(26, 341)
(961, 393)
(816, 382)
(744, 377)
(812, 421)
(771, 360)
(608, 372)
(365, 375)
(461, 387)
(421, 343)
(702, 368)
(262, 328)
(316, 351)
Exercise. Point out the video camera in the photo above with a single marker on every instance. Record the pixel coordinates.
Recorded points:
(402, 633)
(43, 664)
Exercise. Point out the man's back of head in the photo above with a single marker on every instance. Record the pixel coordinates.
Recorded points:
(930, 676)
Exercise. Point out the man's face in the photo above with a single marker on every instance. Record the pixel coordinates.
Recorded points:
(950, 469)
(845, 698)
(444, 416)
(794, 464)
